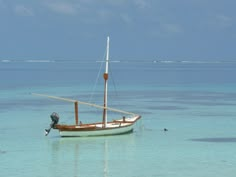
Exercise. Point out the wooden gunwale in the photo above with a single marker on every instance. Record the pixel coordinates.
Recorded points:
(93, 127)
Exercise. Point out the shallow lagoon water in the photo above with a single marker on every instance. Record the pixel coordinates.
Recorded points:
(194, 101)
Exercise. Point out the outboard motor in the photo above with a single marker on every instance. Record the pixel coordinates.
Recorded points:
(55, 119)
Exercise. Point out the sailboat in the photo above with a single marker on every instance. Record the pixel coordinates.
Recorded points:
(122, 125)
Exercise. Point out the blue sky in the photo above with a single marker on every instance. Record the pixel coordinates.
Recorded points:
(138, 29)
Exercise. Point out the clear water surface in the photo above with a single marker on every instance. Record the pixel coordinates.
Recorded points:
(195, 101)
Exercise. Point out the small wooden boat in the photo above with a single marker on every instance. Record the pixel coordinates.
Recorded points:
(115, 127)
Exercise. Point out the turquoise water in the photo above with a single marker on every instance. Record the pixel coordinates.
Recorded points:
(194, 101)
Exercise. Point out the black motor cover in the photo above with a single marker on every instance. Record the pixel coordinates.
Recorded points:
(55, 119)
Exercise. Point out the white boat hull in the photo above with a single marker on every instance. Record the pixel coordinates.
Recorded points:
(98, 132)
(116, 127)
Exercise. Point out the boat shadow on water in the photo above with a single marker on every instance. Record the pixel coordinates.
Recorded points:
(216, 140)
(3, 152)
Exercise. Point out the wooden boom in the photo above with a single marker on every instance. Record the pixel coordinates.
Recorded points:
(84, 103)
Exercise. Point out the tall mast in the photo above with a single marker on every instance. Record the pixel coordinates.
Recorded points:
(105, 76)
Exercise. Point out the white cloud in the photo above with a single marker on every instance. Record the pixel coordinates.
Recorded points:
(63, 7)
(166, 30)
(218, 22)
(223, 21)
(23, 10)
(142, 4)
(171, 28)
(127, 19)
(2, 5)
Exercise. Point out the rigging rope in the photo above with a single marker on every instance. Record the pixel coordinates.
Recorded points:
(113, 81)
(95, 85)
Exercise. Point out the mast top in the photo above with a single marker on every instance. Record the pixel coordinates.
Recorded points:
(107, 54)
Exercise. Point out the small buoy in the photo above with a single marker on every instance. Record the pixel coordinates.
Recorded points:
(165, 129)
